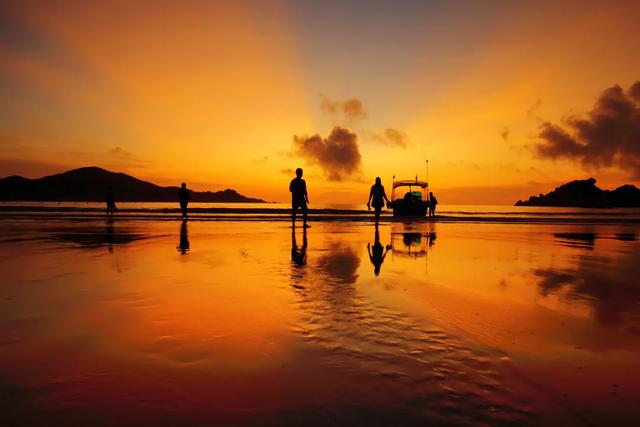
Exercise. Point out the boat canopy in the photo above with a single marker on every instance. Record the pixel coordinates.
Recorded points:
(410, 182)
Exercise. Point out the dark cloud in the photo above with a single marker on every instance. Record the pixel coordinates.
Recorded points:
(634, 91)
(338, 154)
(391, 137)
(352, 109)
(608, 135)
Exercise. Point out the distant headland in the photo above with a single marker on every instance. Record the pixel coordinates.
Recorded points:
(89, 184)
(585, 194)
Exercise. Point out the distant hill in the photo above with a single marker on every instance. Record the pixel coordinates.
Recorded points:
(90, 184)
(585, 194)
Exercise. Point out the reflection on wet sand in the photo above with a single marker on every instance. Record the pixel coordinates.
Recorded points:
(91, 236)
(299, 254)
(183, 245)
(415, 370)
(259, 326)
(608, 283)
(586, 240)
(378, 253)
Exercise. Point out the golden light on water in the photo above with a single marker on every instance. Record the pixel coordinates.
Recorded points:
(243, 330)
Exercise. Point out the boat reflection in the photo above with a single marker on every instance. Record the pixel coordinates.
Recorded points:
(412, 241)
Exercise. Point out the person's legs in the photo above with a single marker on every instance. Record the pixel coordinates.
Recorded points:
(378, 210)
(294, 209)
(304, 215)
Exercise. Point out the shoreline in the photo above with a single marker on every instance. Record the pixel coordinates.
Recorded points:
(314, 217)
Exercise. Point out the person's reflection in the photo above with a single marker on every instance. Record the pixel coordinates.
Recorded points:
(377, 253)
(432, 238)
(183, 246)
(299, 255)
(109, 234)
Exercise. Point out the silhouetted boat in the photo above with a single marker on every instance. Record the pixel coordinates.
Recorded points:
(409, 198)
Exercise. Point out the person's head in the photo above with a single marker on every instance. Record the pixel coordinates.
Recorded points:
(430, 193)
(299, 172)
(184, 185)
(378, 181)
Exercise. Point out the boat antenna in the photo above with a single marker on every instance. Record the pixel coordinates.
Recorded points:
(427, 172)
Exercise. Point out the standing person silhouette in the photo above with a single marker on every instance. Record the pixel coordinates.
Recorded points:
(183, 196)
(110, 200)
(378, 195)
(433, 202)
(299, 198)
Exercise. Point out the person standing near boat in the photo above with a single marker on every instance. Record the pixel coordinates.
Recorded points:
(183, 197)
(299, 198)
(433, 202)
(377, 197)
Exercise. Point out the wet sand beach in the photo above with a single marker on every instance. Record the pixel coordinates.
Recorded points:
(160, 322)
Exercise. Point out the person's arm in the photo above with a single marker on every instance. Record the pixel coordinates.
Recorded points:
(306, 195)
(384, 194)
(369, 200)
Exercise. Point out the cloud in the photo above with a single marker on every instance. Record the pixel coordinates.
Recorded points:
(260, 161)
(536, 105)
(504, 133)
(608, 135)
(352, 109)
(124, 158)
(338, 154)
(119, 152)
(391, 137)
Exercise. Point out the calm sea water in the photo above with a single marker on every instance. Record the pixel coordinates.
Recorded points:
(134, 322)
(277, 211)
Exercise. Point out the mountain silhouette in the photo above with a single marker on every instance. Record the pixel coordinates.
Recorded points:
(585, 194)
(90, 184)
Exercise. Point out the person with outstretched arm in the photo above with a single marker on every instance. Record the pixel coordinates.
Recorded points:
(299, 198)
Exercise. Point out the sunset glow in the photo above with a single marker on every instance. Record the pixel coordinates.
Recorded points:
(215, 93)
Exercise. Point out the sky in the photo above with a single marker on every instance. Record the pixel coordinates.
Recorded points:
(505, 99)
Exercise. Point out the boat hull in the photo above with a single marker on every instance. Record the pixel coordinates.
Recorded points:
(403, 209)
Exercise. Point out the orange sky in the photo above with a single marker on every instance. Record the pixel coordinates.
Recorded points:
(214, 92)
